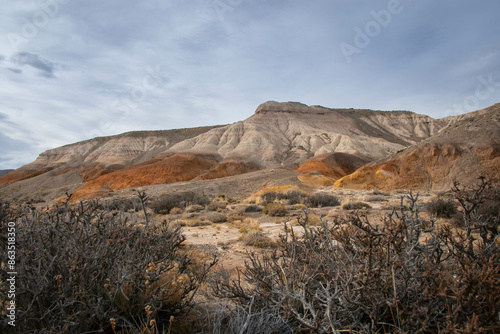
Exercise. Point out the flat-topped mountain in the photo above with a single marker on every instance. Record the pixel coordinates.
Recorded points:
(333, 142)
(291, 132)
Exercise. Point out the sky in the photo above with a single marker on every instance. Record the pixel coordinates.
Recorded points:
(72, 70)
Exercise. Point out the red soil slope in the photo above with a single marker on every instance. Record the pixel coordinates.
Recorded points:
(334, 165)
(175, 168)
(462, 152)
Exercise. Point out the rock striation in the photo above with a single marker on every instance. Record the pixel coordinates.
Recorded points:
(333, 142)
(462, 151)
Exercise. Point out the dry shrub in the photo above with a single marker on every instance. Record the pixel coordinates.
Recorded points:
(252, 235)
(216, 217)
(176, 211)
(78, 267)
(268, 197)
(275, 210)
(442, 208)
(257, 238)
(292, 197)
(194, 222)
(194, 208)
(123, 204)
(167, 202)
(351, 276)
(234, 217)
(217, 204)
(317, 200)
(355, 205)
(253, 208)
(375, 198)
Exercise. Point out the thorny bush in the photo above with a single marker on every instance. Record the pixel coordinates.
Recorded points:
(167, 202)
(81, 269)
(402, 276)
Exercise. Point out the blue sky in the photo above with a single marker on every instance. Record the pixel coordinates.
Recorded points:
(72, 70)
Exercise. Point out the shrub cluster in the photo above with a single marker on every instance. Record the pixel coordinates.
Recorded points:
(253, 208)
(402, 276)
(82, 269)
(442, 208)
(355, 206)
(123, 204)
(293, 197)
(321, 200)
(275, 210)
(167, 202)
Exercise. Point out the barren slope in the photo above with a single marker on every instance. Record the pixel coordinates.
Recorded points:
(462, 151)
(68, 167)
(334, 165)
(290, 133)
(278, 134)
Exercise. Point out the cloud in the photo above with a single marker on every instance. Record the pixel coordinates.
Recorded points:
(134, 65)
(45, 66)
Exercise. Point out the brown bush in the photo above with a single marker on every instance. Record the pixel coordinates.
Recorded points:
(78, 267)
(215, 217)
(167, 202)
(349, 275)
(253, 208)
(442, 208)
(355, 206)
(317, 200)
(275, 210)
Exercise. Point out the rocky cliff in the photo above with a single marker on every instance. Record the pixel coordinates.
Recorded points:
(464, 150)
(290, 133)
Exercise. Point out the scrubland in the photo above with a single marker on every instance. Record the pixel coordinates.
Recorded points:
(281, 261)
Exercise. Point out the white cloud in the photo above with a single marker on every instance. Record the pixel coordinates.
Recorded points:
(96, 68)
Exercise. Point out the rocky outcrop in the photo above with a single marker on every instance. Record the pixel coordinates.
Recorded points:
(289, 133)
(462, 151)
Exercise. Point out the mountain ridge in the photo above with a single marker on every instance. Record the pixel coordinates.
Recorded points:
(276, 135)
(461, 151)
